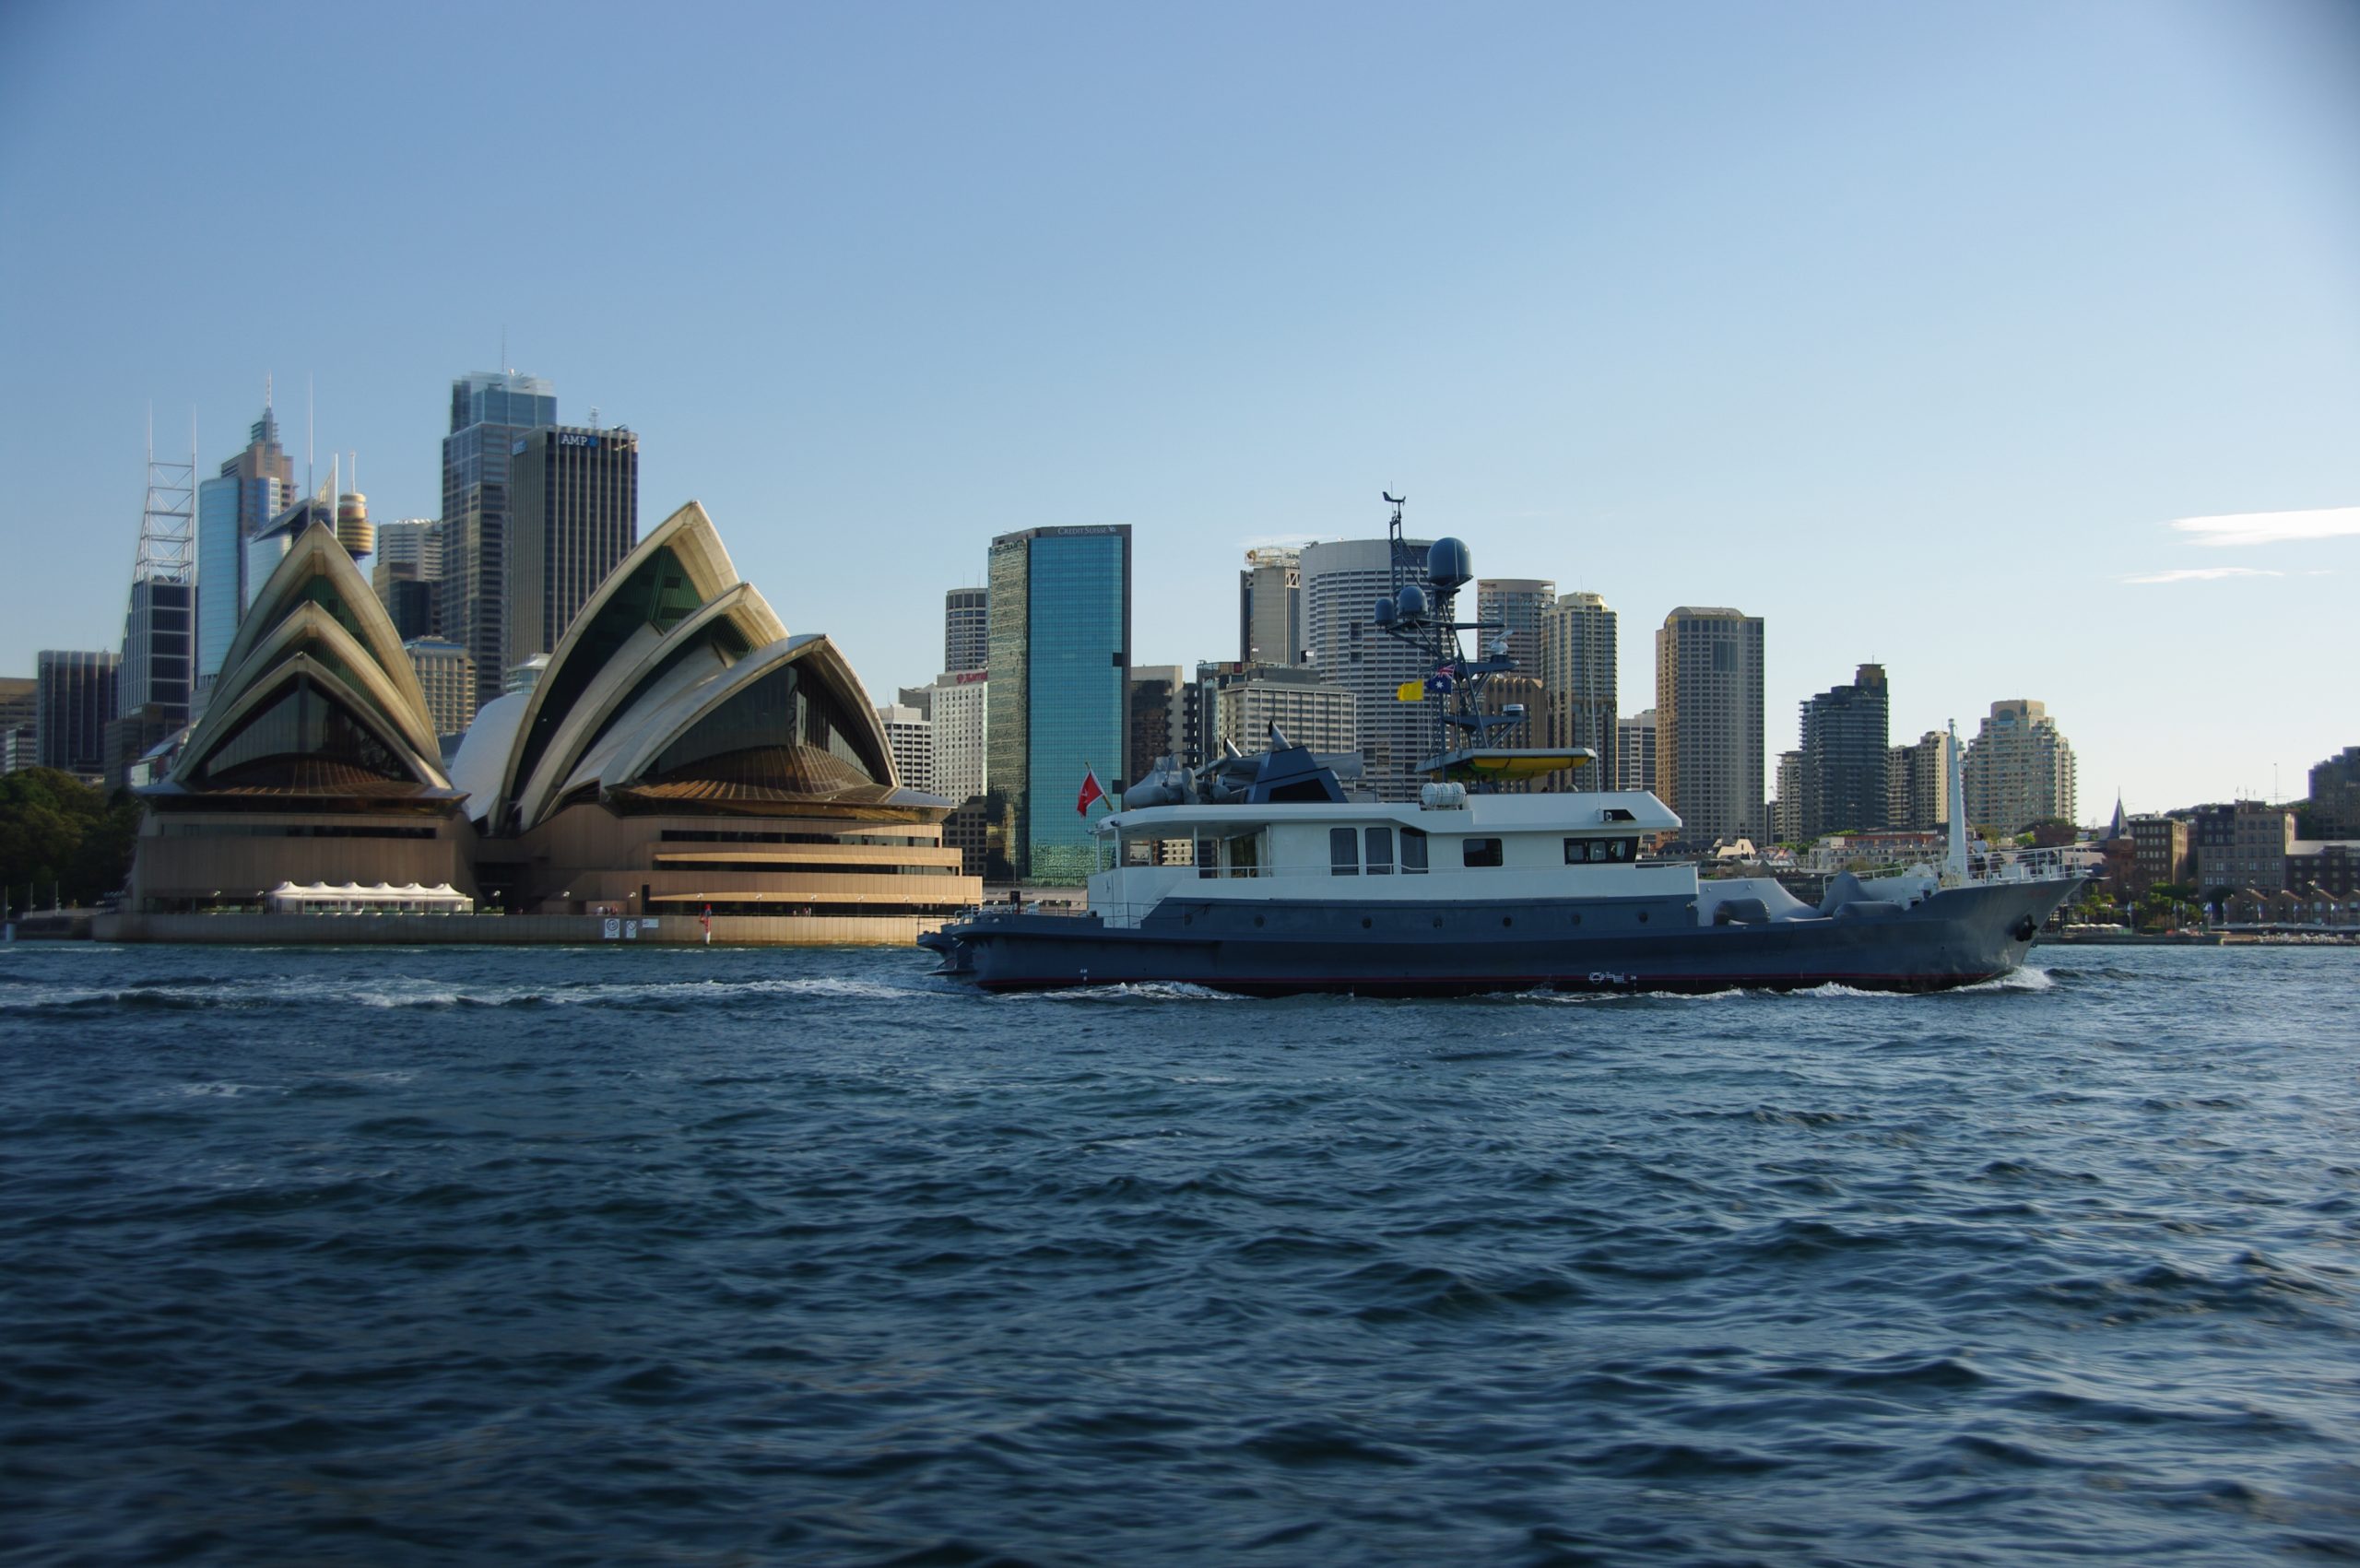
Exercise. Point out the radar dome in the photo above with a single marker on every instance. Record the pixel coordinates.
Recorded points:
(1383, 614)
(1411, 605)
(1448, 564)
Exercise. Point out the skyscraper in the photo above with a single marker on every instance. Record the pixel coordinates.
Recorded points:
(1787, 805)
(1245, 700)
(407, 574)
(411, 548)
(19, 722)
(1060, 644)
(76, 699)
(2335, 795)
(1917, 783)
(159, 633)
(1576, 663)
(1844, 745)
(1709, 721)
(958, 716)
(1342, 580)
(573, 516)
(1269, 607)
(447, 676)
(232, 508)
(909, 735)
(1635, 750)
(966, 628)
(1517, 606)
(489, 410)
(160, 628)
(1161, 702)
(2018, 769)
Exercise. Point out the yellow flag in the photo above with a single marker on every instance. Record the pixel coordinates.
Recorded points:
(1409, 692)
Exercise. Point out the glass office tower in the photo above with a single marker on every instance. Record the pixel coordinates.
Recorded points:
(232, 508)
(489, 411)
(1060, 636)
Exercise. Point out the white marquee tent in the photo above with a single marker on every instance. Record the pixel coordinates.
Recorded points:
(351, 898)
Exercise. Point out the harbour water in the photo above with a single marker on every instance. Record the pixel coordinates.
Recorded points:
(716, 1257)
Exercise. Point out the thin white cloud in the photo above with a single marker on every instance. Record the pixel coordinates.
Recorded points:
(2203, 574)
(2270, 527)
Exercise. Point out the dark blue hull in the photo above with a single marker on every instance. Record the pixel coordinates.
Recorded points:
(1956, 938)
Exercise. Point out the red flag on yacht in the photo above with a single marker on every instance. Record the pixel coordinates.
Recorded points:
(1089, 790)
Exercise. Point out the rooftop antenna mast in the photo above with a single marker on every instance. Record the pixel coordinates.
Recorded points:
(167, 533)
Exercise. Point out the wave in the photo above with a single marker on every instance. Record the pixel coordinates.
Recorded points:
(704, 992)
(1135, 991)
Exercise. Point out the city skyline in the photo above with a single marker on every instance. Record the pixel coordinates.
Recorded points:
(1850, 343)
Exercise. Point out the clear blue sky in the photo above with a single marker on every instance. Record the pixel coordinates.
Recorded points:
(1912, 328)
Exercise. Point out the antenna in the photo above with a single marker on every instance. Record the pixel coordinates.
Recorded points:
(167, 537)
(310, 434)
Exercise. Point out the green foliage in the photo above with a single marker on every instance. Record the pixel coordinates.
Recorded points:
(2167, 905)
(56, 830)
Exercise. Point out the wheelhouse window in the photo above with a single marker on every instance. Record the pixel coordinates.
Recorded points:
(1343, 853)
(1594, 851)
(1413, 852)
(1380, 852)
(1481, 851)
(1208, 857)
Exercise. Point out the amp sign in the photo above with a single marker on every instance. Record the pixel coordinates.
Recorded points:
(577, 437)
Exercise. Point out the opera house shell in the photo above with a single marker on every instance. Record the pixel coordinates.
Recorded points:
(681, 754)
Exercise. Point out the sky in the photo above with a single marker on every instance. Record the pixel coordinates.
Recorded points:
(2014, 347)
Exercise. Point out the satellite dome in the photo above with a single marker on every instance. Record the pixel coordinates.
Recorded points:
(1411, 605)
(1383, 614)
(1448, 564)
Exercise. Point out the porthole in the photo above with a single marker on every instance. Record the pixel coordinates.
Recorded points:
(1364, 922)
(1257, 919)
(1578, 919)
(1507, 919)
(1642, 917)
(1437, 922)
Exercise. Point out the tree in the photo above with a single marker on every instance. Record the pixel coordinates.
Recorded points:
(57, 832)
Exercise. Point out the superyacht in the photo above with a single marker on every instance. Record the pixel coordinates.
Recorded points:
(1275, 872)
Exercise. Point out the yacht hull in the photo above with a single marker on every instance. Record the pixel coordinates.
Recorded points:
(1957, 937)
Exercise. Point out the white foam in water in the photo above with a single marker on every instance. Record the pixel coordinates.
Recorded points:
(402, 994)
(2017, 979)
(703, 990)
(1143, 991)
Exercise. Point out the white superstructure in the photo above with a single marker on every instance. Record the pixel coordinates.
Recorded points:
(1473, 847)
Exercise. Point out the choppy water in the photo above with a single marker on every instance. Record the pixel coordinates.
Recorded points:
(731, 1257)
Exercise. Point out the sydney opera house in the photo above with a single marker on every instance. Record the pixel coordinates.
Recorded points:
(682, 754)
